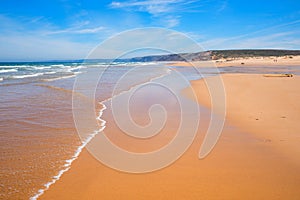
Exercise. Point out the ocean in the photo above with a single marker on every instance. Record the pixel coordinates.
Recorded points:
(39, 140)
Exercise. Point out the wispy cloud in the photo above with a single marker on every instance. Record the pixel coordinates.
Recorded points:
(284, 36)
(283, 40)
(77, 31)
(34, 47)
(155, 7)
(279, 40)
(223, 6)
(159, 40)
(164, 11)
(171, 21)
(38, 25)
(21, 39)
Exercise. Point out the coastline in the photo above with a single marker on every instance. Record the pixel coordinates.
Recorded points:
(242, 165)
(150, 100)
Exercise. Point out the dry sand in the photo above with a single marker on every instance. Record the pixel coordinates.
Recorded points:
(256, 61)
(267, 106)
(243, 165)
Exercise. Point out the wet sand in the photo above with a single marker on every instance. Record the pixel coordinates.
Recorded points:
(37, 136)
(242, 165)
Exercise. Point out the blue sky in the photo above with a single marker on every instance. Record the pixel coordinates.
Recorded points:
(70, 29)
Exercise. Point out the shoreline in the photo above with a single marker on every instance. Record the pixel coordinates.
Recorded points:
(242, 165)
(68, 162)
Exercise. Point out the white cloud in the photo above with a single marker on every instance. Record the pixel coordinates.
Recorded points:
(164, 11)
(280, 40)
(172, 22)
(151, 6)
(26, 41)
(276, 36)
(159, 39)
(77, 31)
(27, 47)
(155, 7)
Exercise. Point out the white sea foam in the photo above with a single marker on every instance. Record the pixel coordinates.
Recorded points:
(41, 67)
(78, 67)
(27, 75)
(59, 78)
(69, 162)
(1, 79)
(99, 65)
(50, 72)
(145, 63)
(8, 70)
(58, 65)
(13, 66)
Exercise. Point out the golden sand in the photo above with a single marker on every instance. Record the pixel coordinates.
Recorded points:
(258, 61)
(257, 156)
(265, 106)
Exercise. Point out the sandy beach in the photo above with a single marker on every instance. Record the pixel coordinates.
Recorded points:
(113, 100)
(253, 61)
(255, 158)
(266, 106)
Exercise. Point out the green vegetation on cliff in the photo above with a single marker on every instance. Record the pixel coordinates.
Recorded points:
(217, 54)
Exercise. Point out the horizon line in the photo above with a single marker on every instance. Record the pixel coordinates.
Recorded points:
(110, 59)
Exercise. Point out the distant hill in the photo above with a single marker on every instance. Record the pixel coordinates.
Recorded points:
(217, 54)
(206, 55)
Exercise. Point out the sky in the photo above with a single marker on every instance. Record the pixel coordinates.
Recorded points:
(69, 29)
